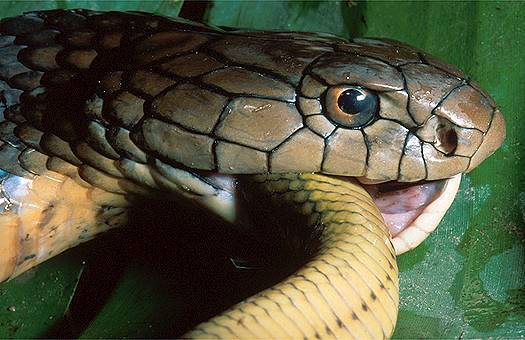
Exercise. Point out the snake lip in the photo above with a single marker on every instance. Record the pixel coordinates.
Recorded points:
(412, 210)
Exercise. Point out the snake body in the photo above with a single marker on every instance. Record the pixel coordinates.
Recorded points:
(349, 289)
(100, 110)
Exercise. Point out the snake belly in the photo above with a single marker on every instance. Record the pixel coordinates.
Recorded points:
(100, 110)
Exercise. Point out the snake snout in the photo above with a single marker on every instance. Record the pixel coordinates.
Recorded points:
(465, 128)
(492, 140)
(469, 118)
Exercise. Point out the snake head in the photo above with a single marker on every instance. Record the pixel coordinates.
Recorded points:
(407, 116)
(400, 115)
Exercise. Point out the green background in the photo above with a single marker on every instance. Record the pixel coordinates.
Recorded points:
(467, 280)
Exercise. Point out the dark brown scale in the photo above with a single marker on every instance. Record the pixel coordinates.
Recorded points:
(110, 40)
(90, 156)
(125, 109)
(57, 77)
(41, 58)
(163, 45)
(149, 83)
(40, 38)
(80, 59)
(29, 135)
(111, 21)
(24, 24)
(234, 158)
(240, 81)
(191, 65)
(339, 68)
(26, 81)
(287, 59)
(111, 83)
(53, 145)
(67, 20)
(79, 39)
(65, 168)
(190, 106)
(162, 138)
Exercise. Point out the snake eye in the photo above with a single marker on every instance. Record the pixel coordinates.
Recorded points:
(351, 106)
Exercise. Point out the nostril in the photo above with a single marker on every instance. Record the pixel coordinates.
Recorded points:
(441, 133)
(447, 138)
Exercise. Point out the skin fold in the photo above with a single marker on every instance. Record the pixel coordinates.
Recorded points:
(102, 110)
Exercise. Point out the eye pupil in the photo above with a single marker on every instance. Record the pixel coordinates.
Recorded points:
(353, 107)
(354, 101)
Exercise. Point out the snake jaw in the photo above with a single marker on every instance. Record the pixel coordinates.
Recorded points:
(427, 219)
(411, 210)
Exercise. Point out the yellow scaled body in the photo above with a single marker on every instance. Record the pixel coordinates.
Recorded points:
(349, 289)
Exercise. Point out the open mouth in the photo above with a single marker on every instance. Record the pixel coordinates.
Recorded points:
(412, 210)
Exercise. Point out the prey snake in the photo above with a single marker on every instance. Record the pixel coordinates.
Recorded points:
(99, 110)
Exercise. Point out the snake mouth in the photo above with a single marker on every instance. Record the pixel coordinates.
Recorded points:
(412, 210)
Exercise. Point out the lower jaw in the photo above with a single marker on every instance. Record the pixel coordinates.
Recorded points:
(412, 212)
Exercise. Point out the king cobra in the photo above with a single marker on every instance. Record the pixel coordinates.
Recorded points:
(364, 140)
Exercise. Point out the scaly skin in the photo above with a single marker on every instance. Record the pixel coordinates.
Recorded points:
(349, 289)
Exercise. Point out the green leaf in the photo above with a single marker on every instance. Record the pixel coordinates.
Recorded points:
(31, 304)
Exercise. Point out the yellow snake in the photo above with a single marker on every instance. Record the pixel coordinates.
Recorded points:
(100, 110)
